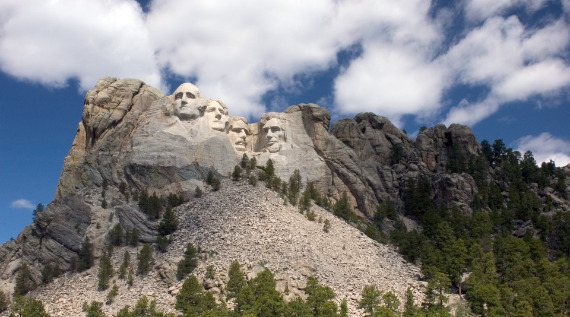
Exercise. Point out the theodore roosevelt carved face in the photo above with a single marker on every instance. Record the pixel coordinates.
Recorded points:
(188, 102)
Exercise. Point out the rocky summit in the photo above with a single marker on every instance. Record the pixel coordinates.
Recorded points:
(133, 143)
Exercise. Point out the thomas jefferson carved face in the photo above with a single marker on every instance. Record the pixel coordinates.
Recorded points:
(238, 132)
(187, 102)
(217, 115)
(274, 135)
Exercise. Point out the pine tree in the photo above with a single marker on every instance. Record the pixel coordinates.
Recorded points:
(410, 307)
(320, 298)
(370, 299)
(124, 265)
(95, 309)
(244, 161)
(24, 282)
(193, 300)
(236, 280)
(145, 260)
(116, 235)
(85, 258)
(198, 192)
(105, 272)
(3, 301)
(188, 264)
(342, 208)
(169, 223)
(28, 307)
(236, 175)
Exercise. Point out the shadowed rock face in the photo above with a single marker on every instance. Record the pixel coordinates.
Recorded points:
(131, 133)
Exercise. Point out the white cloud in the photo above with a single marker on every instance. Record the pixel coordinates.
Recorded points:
(513, 62)
(22, 204)
(481, 9)
(53, 41)
(240, 51)
(545, 147)
(391, 81)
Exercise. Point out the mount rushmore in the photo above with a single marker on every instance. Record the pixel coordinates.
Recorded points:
(132, 134)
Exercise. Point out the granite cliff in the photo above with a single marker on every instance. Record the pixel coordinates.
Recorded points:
(133, 137)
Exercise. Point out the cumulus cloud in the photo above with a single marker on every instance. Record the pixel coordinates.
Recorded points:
(52, 41)
(390, 81)
(238, 54)
(241, 51)
(22, 204)
(514, 62)
(545, 147)
(482, 9)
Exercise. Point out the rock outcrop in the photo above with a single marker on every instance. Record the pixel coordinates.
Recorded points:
(132, 139)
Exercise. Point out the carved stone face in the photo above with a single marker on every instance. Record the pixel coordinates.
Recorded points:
(274, 135)
(187, 102)
(216, 114)
(238, 132)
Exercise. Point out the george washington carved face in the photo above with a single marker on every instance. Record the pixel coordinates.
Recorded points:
(188, 101)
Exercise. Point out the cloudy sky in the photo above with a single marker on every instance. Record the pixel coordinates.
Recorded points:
(499, 66)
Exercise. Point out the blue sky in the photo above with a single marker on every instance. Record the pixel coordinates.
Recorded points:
(499, 66)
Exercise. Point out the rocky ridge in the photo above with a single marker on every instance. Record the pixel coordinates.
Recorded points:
(251, 225)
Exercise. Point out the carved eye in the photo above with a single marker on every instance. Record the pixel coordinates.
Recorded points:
(178, 96)
(190, 95)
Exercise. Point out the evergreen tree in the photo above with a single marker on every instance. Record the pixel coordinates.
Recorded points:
(116, 235)
(320, 298)
(294, 187)
(236, 280)
(216, 184)
(112, 294)
(193, 300)
(342, 208)
(210, 177)
(260, 298)
(410, 307)
(85, 258)
(133, 236)
(370, 300)
(124, 265)
(236, 175)
(244, 161)
(3, 302)
(142, 309)
(95, 309)
(145, 260)
(105, 272)
(188, 264)
(198, 192)
(169, 223)
(28, 307)
(39, 209)
(24, 282)
(49, 272)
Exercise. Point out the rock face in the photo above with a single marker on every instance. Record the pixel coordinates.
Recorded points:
(133, 138)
